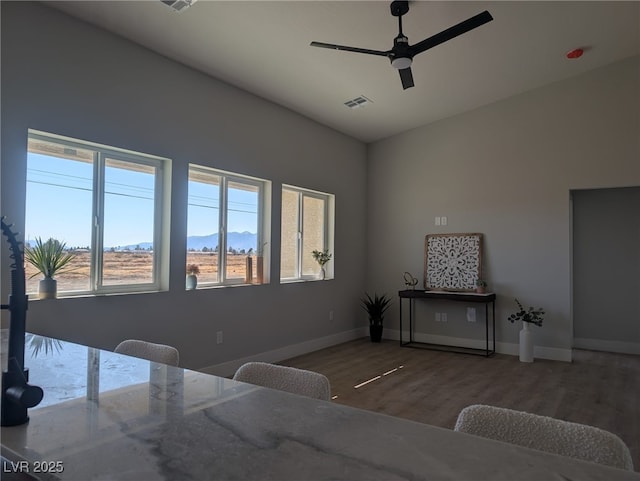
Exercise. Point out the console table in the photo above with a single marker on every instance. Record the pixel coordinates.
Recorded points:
(467, 297)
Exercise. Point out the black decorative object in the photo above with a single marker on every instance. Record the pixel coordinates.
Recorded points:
(410, 282)
(17, 393)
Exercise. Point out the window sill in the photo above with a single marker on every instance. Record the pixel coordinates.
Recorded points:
(297, 281)
(202, 287)
(84, 295)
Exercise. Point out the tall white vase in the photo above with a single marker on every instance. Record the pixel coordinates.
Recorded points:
(526, 343)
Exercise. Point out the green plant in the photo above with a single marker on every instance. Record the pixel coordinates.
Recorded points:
(321, 257)
(375, 307)
(530, 314)
(50, 257)
(193, 269)
(481, 283)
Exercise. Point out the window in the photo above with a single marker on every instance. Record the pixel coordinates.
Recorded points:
(307, 225)
(226, 237)
(105, 204)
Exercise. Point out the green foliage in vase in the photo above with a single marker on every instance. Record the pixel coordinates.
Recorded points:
(50, 257)
(321, 257)
(530, 314)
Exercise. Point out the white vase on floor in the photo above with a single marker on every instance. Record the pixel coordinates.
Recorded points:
(526, 343)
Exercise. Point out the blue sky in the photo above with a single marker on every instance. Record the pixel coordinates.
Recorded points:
(59, 204)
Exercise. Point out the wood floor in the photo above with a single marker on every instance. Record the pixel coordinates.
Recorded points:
(600, 389)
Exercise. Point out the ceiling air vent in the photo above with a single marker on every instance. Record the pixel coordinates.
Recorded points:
(179, 5)
(358, 102)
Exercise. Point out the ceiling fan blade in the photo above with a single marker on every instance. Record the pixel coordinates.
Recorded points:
(407, 78)
(350, 49)
(452, 32)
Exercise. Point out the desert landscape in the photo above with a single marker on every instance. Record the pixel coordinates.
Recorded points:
(133, 267)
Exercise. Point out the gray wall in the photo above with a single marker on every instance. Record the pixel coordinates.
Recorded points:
(606, 263)
(64, 76)
(506, 170)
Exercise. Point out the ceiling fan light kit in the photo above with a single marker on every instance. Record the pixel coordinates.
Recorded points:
(401, 62)
(402, 53)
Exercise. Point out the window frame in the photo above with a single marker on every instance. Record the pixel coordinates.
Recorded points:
(328, 232)
(101, 153)
(262, 186)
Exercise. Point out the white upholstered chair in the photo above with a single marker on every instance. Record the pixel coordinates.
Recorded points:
(150, 351)
(545, 434)
(284, 378)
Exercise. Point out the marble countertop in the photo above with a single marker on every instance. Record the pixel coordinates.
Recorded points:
(166, 423)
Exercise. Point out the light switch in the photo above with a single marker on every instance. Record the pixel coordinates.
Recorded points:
(437, 220)
(443, 220)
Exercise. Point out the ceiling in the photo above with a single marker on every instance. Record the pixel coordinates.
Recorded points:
(263, 47)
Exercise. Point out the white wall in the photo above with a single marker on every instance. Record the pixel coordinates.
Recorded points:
(505, 170)
(64, 76)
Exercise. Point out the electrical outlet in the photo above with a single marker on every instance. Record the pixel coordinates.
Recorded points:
(438, 317)
(471, 314)
(437, 220)
(444, 317)
(331, 315)
(219, 337)
(443, 220)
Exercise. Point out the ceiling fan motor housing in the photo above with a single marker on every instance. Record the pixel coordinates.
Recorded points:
(399, 8)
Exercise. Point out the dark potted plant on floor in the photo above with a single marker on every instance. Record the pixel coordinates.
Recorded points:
(376, 308)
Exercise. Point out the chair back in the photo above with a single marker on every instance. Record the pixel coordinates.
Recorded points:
(545, 434)
(284, 378)
(150, 351)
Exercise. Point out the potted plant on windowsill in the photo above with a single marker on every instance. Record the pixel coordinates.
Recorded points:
(376, 308)
(260, 263)
(481, 286)
(322, 257)
(530, 315)
(49, 258)
(192, 276)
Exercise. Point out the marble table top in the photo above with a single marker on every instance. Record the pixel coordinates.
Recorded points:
(166, 423)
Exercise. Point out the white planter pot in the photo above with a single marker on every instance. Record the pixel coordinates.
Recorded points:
(192, 282)
(526, 343)
(48, 288)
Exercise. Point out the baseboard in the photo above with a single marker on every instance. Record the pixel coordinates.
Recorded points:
(608, 346)
(228, 368)
(540, 352)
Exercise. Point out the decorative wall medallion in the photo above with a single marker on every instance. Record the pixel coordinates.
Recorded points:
(452, 262)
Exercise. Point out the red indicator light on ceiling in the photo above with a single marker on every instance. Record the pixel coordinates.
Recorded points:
(576, 53)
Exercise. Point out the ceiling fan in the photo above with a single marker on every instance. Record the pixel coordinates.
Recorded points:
(401, 55)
